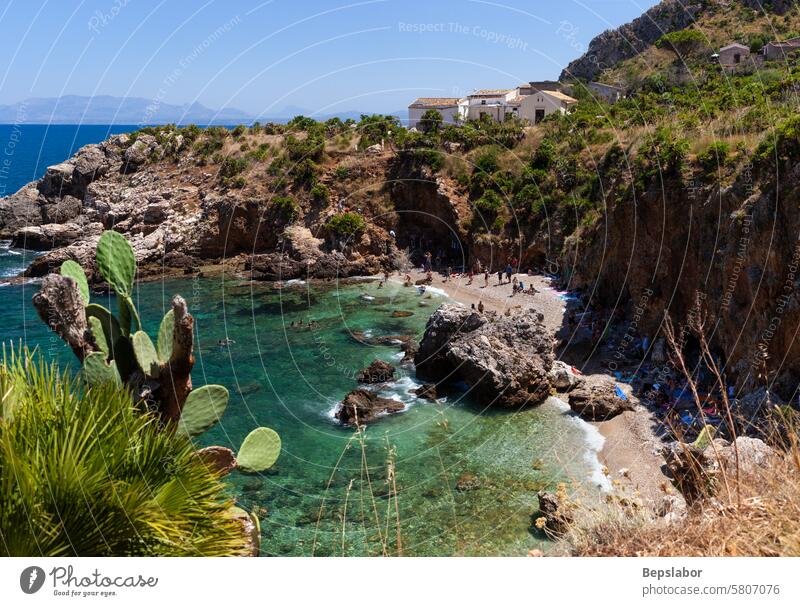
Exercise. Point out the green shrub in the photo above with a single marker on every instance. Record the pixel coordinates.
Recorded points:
(430, 157)
(230, 167)
(320, 192)
(84, 473)
(780, 145)
(285, 207)
(683, 42)
(431, 121)
(346, 224)
(486, 161)
(714, 158)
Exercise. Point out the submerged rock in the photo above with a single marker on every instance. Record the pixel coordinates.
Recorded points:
(360, 407)
(467, 482)
(505, 360)
(377, 372)
(557, 515)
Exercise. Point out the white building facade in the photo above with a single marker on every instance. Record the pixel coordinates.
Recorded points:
(447, 107)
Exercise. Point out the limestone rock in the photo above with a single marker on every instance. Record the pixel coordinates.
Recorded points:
(360, 407)
(505, 360)
(377, 372)
(598, 400)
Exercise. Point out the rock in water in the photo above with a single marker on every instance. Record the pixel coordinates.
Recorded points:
(377, 372)
(428, 391)
(598, 400)
(360, 407)
(505, 360)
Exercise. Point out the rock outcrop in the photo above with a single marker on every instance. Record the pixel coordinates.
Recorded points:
(598, 399)
(613, 46)
(377, 372)
(505, 360)
(361, 407)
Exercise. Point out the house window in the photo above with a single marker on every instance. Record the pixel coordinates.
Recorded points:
(483, 101)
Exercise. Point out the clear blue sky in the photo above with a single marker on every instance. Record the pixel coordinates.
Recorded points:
(325, 56)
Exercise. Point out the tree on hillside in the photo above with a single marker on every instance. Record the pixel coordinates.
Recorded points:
(431, 121)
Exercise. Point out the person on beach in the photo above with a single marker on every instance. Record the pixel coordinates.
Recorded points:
(447, 275)
(486, 279)
(514, 286)
(428, 266)
(408, 280)
(509, 272)
(500, 278)
(429, 277)
(480, 306)
(470, 275)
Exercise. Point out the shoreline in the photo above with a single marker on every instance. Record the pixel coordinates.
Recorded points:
(630, 448)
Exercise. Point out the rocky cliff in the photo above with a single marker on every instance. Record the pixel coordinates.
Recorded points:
(616, 45)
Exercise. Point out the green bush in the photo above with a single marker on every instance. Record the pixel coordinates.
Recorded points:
(714, 158)
(430, 157)
(320, 192)
(285, 207)
(683, 42)
(431, 121)
(346, 224)
(84, 473)
(486, 161)
(780, 145)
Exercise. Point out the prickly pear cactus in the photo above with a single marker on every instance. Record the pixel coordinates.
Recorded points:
(97, 372)
(146, 354)
(116, 262)
(71, 269)
(259, 451)
(202, 409)
(165, 333)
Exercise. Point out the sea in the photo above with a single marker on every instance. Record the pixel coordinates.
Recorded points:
(441, 478)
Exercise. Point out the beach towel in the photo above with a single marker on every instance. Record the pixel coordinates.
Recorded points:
(620, 393)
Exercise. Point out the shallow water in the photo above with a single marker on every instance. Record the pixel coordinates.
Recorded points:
(333, 491)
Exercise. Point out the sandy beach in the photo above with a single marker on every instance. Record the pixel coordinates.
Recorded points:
(630, 451)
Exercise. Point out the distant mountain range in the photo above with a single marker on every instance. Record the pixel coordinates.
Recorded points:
(106, 109)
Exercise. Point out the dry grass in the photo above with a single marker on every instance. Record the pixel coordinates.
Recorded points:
(766, 524)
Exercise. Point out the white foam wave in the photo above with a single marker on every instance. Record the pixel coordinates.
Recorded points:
(594, 444)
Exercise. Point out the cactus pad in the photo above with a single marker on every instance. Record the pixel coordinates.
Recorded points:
(165, 331)
(97, 372)
(96, 326)
(116, 262)
(109, 324)
(259, 451)
(203, 408)
(145, 352)
(70, 269)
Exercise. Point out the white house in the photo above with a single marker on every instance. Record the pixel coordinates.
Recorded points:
(488, 102)
(540, 103)
(446, 106)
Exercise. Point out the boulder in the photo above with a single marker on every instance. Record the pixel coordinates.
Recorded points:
(556, 514)
(57, 180)
(754, 455)
(156, 212)
(360, 407)
(428, 391)
(690, 468)
(377, 372)
(505, 360)
(596, 399)
(47, 237)
(22, 209)
(563, 378)
(62, 210)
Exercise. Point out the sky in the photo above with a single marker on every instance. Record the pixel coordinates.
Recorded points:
(269, 57)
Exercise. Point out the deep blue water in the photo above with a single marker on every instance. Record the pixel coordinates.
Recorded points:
(27, 150)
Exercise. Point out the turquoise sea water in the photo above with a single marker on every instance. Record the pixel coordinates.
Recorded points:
(333, 491)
